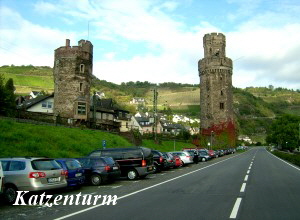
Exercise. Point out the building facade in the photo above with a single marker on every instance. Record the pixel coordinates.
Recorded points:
(72, 80)
(216, 99)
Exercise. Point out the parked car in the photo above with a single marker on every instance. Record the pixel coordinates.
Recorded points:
(169, 160)
(185, 157)
(178, 162)
(191, 153)
(203, 155)
(211, 153)
(31, 174)
(98, 170)
(1, 179)
(73, 170)
(158, 161)
(134, 162)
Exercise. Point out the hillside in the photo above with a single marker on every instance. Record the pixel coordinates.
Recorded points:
(254, 107)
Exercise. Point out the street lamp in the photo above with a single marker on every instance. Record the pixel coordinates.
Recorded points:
(211, 143)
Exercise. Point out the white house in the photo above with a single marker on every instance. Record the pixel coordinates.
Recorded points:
(43, 104)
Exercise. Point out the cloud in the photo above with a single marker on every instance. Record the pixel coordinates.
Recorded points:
(145, 40)
(23, 42)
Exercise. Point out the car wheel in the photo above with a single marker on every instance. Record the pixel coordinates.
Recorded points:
(96, 180)
(10, 194)
(203, 159)
(132, 174)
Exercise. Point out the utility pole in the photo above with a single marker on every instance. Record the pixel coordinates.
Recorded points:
(154, 128)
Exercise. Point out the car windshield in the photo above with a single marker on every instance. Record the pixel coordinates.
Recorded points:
(73, 164)
(45, 164)
(108, 160)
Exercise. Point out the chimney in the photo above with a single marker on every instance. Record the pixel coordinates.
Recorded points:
(67, 42)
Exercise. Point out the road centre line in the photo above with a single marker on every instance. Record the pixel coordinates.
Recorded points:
(150, 187)
(250, 167)
(246, 178)
(235, 208)
(248, 171)
(243, 187)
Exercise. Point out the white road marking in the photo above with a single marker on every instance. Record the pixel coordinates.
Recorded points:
(162, 174)
(172, 171)
(114, 187)
(235, 208)
(284, 161)
(243, 187)
(139, 181)
(248, 171)
(246, 178)
(150, 187)
(250, 167)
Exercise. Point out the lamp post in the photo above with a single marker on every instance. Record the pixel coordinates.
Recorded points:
(211, 143)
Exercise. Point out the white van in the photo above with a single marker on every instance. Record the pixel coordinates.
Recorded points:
(1, 179)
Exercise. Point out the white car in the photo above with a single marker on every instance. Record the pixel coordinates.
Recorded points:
(185, 157)
(1, 179)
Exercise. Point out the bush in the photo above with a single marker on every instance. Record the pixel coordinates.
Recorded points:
(292, 158)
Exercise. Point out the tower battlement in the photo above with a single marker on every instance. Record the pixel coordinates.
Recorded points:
(84, 46)
(214, 45)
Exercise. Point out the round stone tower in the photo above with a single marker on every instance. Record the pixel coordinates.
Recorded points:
(216, 101)
(72, 80)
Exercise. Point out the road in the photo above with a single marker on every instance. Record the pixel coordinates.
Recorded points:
(253, 185)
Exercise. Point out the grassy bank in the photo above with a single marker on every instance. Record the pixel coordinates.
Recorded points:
(166, 146)
(292, 158)
(22, 139)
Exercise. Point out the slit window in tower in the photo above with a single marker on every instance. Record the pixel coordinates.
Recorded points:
(81, 67)
(221, 105)
(80, 87)
(221, 92)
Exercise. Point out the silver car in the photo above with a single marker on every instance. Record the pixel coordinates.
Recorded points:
(185, 157)
(31, 174)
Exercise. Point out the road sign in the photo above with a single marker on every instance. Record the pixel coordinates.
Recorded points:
(103, 144)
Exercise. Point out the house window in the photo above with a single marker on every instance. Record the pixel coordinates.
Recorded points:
(81, 68)
(80, 87)
(46, 104)
(126, 124)
(221, 105)
(81, 108)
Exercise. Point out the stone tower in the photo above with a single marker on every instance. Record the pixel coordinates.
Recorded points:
(216, 101)
(72, 80)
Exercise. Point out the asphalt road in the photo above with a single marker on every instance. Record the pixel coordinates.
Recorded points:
(253, 185)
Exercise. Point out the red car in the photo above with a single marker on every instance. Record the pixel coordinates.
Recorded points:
(177, 160)
(212, 153)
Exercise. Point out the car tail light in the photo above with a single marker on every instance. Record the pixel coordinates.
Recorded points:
(188, 156)
(171, 161)
(37, 175)
(64, 173)
(161, 159)
(144, 163)
(107, 168)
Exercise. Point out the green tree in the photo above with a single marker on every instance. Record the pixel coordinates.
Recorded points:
(2, 95)
(10, 97)
(284, 132)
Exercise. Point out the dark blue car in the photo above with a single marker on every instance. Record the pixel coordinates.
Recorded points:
(74, 170)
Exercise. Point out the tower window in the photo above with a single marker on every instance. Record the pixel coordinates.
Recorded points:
(221, 105)
(81, 108)
(80, 87)
(81, 68)
(221, 92)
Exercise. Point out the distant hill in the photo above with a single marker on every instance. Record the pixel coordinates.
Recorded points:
(254, 107)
